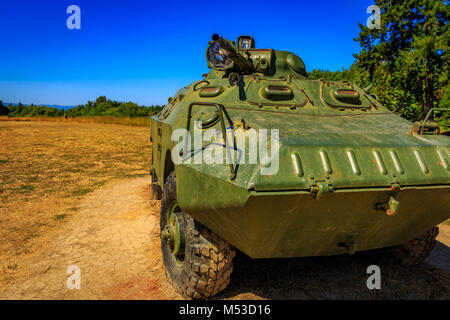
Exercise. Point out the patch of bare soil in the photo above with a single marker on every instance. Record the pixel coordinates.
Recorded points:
(114, 240)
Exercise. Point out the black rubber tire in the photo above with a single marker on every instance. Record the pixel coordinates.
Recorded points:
(156, 189)
(208, 259)
(416, 250)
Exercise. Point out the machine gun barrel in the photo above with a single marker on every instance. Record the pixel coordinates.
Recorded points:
(242, 62)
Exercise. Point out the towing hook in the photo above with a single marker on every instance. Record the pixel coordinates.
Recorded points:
(390, 207)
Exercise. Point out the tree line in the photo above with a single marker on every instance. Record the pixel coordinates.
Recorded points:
(100, 107)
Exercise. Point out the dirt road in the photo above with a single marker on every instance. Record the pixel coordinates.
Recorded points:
(114, 240)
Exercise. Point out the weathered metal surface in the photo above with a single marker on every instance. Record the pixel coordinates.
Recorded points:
(348, 167)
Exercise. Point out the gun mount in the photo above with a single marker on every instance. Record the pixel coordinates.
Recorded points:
(222, 52)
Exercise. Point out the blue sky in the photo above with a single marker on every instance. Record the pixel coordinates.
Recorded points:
(144, 50)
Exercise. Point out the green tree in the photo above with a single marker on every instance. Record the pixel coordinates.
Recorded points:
(3, 109)
(408, 55)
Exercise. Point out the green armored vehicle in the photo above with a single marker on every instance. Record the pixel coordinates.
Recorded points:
(257, 156)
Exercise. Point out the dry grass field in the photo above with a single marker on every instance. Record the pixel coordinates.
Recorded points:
(46, 167)
(141, 122)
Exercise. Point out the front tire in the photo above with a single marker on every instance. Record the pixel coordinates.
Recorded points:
(156, 189)
(198, 262)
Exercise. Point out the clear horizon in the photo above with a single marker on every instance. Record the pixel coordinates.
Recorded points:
(144, 51)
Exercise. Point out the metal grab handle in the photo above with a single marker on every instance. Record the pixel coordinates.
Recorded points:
(221, 110)
(431, 110)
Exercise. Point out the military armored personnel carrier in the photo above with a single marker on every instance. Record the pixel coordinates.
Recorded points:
(350, 174)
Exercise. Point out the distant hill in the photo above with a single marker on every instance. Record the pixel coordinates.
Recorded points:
(57, 106)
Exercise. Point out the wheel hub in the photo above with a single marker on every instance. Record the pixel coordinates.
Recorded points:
(173, 232)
